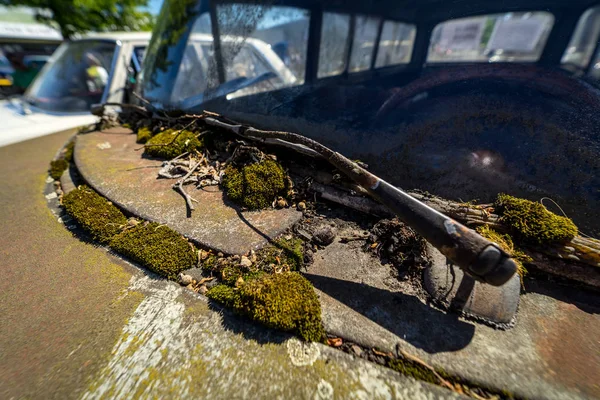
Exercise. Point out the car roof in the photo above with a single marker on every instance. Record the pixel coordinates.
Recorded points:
(123, 36)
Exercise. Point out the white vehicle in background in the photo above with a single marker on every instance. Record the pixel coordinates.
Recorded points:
(95, 69)
(255, 68)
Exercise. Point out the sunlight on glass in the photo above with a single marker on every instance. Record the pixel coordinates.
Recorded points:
(491, 38)
(396, 44)
(333, 51)
(584, 39)
(365, 34)
(263, 48)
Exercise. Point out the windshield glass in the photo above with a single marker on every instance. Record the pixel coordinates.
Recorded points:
(75, 79)
(260, 49)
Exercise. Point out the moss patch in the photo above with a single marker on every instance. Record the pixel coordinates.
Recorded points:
(57, 167)
(506, 243)
(69, 148)
(230, 274)
(143, 134)
(94, 213)
(223, 294)
(156, 247)
(532, 223)
(255, 186)
(185, 141)
(283, 301)
(285, 252)
(413, 369)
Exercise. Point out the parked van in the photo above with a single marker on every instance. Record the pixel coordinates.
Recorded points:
(95, 69)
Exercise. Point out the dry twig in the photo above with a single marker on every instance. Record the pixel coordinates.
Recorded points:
(179, 187)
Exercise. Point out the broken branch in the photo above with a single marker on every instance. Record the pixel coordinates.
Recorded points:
(179, 186)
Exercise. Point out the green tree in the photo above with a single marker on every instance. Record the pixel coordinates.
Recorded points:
(79, 16)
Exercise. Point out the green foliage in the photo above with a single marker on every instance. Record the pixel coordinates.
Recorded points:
(57, 167)
(506, 243)
(286, 252)
(94, 213)
(255, 186)
(143, 134)
(283, 301)
(156, 247)
(69, 148)
(81, 16)
(170, 26)
(184, 142)
(532, 223)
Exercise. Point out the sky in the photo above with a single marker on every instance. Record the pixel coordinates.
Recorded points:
(154, 6)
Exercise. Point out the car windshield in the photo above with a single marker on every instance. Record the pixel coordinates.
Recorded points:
(75, 78)
(464, 103)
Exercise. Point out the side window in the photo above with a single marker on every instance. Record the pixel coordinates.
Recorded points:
(584, 39)
(595, 67)
(365, 34)
(396, 44)
(519, 36)
(333, 51)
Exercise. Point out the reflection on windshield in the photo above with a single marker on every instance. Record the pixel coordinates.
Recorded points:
(76, 79)
(261, 49)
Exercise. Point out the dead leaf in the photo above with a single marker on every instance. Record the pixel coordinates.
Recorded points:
(335, 342)
(380, 353)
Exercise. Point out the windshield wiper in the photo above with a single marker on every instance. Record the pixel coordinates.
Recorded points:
(225, 88)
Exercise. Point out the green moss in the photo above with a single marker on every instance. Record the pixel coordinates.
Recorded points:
(284, 252)
(413, 369)
(94, 213)
(252, 275)
(69, 148)
(230, 274)
(57, 167)
(210, 263)
(185, 141)
(531, 223)
(143, 134)
(283, 301)
(223, 294)
(506, 243)
(255, 186)
(156, 247)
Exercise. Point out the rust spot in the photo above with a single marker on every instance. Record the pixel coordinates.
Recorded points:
(570, 346)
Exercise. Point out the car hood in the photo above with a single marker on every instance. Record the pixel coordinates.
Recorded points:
(18, 126)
